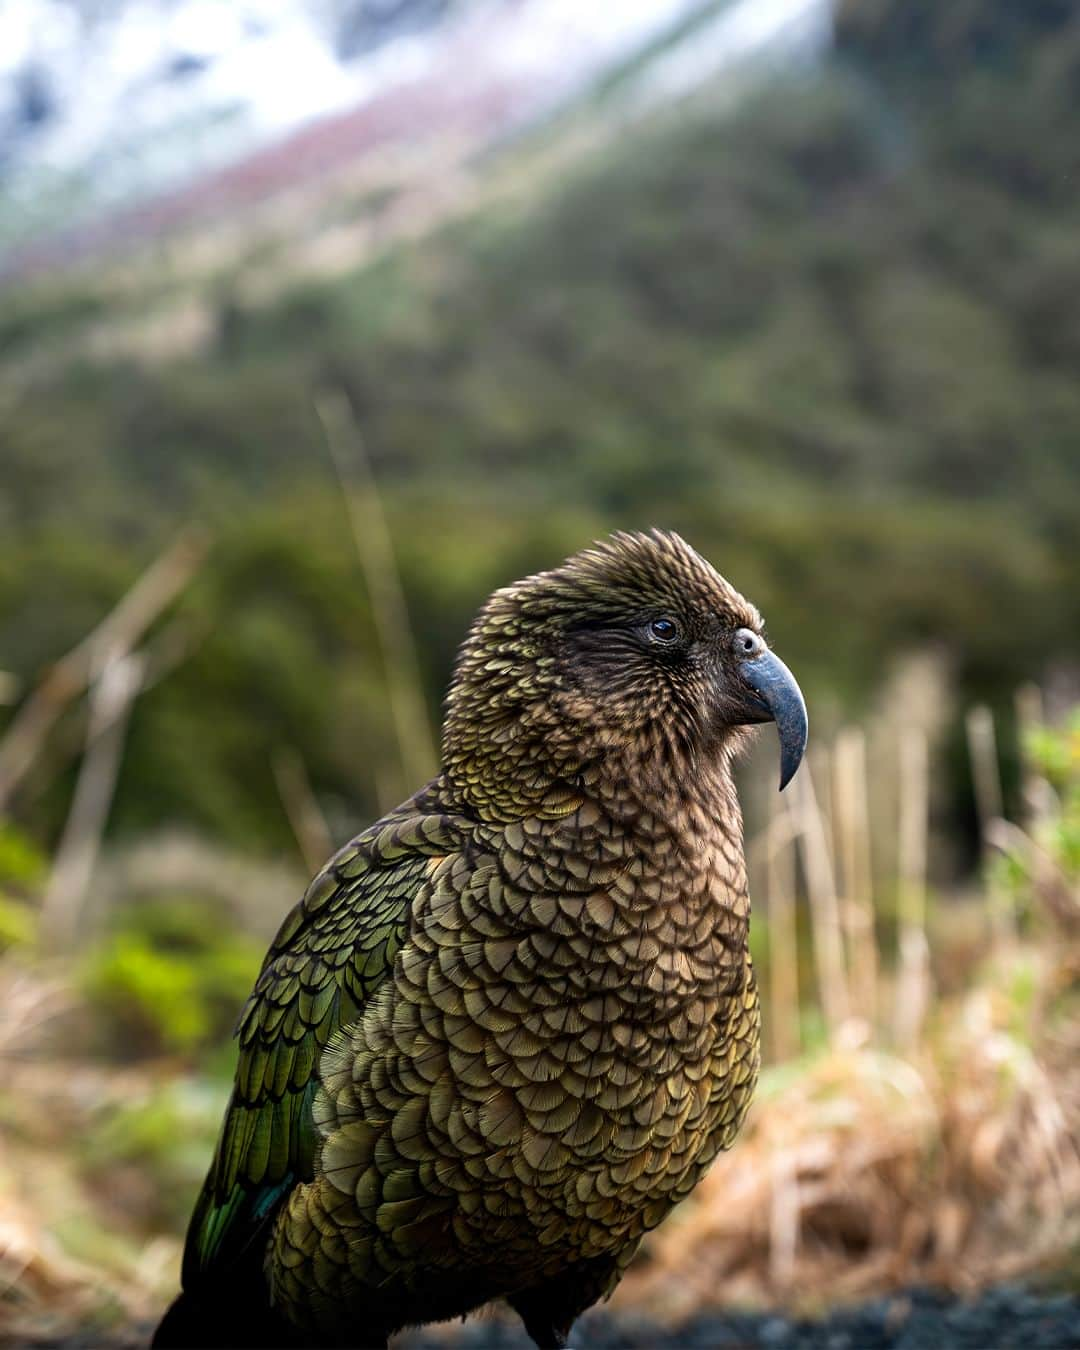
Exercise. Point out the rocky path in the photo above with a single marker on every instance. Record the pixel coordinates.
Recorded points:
(1005, 1318)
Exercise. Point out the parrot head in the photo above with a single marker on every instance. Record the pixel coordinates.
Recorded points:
(634, 652)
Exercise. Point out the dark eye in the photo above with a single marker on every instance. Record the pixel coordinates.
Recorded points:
(663, 629)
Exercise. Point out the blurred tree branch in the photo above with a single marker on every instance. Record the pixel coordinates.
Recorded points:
(114, 637)
(111, 698)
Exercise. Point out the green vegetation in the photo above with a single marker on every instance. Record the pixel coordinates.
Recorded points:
(1042, 870)
(161, 1139)
(1057, 756)
(170, 976)
(831, 337)
(22, 871)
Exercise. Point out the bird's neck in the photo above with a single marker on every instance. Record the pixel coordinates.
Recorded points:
(692, 796)
(685, 824)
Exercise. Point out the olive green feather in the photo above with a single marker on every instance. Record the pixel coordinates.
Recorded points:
(330, 954)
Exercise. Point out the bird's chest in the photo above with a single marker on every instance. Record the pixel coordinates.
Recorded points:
(610, 1042)
(568, 1039)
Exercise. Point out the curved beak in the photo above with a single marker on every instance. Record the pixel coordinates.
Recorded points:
(775, 697)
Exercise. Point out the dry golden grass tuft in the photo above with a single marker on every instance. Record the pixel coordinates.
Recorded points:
(64, 1260)
(862, 1171)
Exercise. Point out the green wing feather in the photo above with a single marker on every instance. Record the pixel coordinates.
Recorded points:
(330, 954)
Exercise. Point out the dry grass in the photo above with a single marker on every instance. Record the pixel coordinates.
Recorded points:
(50, 1207)
(862, 1171)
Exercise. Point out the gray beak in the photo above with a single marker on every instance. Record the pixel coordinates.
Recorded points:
(776, 697)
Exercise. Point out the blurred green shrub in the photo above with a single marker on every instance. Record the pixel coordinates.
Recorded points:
(22, 871)
(17, 926)
(1041, 869)
(150, 1153)
(170, 977)
(1056, 752)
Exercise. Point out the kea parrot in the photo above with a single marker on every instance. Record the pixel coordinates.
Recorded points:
(509, 1026)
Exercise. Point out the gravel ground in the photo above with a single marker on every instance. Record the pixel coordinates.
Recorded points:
(1005, 1318)
(1001, 1319)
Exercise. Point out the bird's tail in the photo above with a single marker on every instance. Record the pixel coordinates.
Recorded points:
(217, 1318)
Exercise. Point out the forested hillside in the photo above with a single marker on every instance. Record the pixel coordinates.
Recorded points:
(831, 334)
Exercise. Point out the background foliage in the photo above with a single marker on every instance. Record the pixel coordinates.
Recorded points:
(831, 336)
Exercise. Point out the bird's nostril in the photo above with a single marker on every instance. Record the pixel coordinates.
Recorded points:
(747, 643)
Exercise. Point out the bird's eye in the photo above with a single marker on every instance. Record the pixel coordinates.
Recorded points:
(663, 629)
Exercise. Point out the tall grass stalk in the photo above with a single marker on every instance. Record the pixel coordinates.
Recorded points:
(785, 1030)
(374, 546)
(852, 825)
(302, 807)
(824, 907)
(913, 974)
(989, 803)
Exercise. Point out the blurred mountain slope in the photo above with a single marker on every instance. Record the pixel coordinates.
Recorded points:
(180, 87)
(829, 331)
(197, 110)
